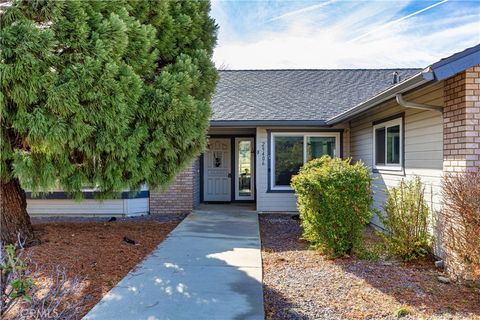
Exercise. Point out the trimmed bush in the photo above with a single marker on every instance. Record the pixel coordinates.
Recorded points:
(407, 220)
(334, 199)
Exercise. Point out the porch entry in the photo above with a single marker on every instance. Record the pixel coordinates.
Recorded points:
(228, 170)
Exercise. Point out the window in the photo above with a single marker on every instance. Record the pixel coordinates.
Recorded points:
(387, 141)
(288, 158)
(291, 150)
(245, 169)
(319, 146)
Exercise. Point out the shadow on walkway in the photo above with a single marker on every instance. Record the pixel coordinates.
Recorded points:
(208, 268)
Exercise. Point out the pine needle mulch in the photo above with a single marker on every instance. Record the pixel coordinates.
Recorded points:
(96, 251)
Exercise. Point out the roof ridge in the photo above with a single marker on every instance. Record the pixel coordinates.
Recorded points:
(346, 69)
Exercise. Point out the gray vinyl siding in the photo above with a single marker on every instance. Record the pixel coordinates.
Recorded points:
(268, 201)
(346, 143)
(87, 207)
(423, 145)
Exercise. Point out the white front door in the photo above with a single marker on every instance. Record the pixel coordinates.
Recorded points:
(217, 171)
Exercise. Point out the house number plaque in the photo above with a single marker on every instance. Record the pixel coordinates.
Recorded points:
(263, 153)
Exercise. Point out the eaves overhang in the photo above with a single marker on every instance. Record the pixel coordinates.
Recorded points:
(266, 123)
(456, 63)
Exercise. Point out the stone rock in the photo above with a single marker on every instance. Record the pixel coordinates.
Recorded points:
(443, 279)
(439, 264)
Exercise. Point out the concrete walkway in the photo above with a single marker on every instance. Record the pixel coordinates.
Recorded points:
(210, 267)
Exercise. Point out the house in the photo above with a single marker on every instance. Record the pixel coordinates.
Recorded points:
(267, 123)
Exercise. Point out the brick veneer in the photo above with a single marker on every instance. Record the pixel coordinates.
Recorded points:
(461, 152)
(461, 122)
(179, 197)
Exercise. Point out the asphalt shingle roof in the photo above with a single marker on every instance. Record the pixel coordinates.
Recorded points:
(297, 94)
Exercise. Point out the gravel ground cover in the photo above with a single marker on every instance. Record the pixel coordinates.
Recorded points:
(95, 250)
(302, 284)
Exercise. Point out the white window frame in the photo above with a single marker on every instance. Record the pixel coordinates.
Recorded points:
(388, 166)
(252, 169)
(305, 135)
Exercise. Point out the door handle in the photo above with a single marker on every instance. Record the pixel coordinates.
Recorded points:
(229, 175)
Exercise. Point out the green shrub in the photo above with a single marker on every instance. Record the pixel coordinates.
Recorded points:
(402, 312)
(334, 199)
(407, 220)
(15, 283)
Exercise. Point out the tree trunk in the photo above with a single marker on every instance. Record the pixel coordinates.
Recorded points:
(14, 219)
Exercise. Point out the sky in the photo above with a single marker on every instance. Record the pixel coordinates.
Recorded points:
(339, 34)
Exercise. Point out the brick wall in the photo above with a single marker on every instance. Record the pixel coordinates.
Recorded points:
(179, 197)
(461, 148)
(196, 182)
(461, 122)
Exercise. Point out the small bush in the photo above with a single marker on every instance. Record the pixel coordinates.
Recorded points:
(461, 224)
(407, 220)
(15, 283)
(22, 298)
(402, 312)
(334, 199)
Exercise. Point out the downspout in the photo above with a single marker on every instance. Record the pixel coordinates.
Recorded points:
(408, 104)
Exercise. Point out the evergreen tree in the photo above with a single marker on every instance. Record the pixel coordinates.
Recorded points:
(110, 94)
